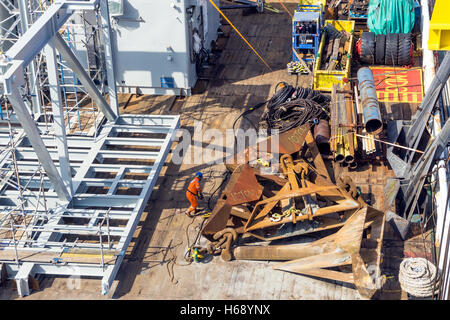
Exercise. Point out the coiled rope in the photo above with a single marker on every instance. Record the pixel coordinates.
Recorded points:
(294, 113)
(417, 277)
(292, 106)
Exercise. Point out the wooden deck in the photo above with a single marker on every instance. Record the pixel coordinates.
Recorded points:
(239, 80)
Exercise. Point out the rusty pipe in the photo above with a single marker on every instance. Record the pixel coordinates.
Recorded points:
(322, 136)
(353, 165)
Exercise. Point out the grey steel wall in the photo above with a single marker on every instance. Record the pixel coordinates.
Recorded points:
(153, 39)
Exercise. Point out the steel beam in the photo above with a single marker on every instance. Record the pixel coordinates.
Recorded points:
(420, 118)
(30, 128)
(109, 276)
(84, 78)
(58, 116)
(106, 32)
(66, 269)
(423, 165)
(83, 205)
(75, 154)
(43, 31)
(24, 22)
(37, 36)
(46, 28)
(21, 278)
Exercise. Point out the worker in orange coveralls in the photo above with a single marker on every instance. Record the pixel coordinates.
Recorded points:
(194, 190)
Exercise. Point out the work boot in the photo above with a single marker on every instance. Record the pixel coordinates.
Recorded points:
(198, 211)
(188, 213)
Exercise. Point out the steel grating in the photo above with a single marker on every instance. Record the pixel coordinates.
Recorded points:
(89, 235)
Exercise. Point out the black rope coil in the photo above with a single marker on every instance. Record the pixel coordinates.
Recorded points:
(291, 107)
(294, 113)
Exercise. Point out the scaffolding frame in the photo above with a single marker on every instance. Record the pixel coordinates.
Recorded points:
(23, 15)
(71, 203)
(98, 209)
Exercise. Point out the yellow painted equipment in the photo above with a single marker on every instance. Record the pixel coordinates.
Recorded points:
(263, 162)
(197, 253)
(439, 36)
(206, 215)
(323, 79)
(314, 2)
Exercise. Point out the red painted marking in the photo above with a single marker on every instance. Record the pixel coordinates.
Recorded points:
(400, 85)
(410, 254)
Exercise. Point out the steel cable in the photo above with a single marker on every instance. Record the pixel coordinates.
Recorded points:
(294, 113)
(292, 106)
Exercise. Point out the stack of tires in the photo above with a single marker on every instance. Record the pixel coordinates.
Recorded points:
(392, 49)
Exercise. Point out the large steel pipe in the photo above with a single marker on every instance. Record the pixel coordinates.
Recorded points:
(340, 153)
(348, 156)
(322, 136)
(369, 101)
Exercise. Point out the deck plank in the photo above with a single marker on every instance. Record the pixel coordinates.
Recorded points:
(238, 81)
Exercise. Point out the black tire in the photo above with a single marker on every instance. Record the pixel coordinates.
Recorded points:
(391, 55)
(404, 49)
(380, 48)
(368, 47)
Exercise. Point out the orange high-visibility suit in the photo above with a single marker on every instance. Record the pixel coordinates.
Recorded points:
(192, 192)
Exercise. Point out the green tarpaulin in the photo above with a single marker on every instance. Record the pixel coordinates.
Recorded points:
(391, 16)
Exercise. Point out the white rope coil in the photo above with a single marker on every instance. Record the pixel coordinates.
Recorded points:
(417, 277)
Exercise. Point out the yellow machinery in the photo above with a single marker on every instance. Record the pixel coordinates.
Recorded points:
(324, 79)
(439, 36)
(314, 2)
